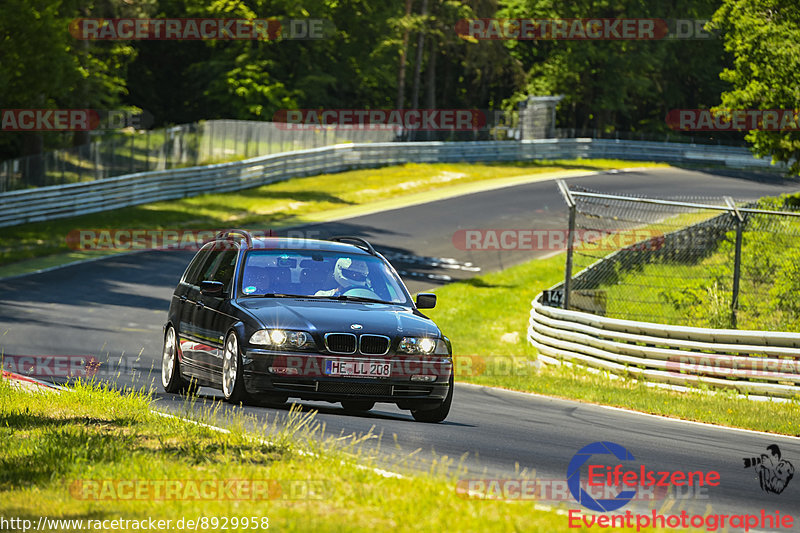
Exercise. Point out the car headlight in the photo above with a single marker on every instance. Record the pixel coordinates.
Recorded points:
(283, 339)
(417, 345)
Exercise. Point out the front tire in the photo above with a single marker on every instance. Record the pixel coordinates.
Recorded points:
(437, 414)
(170, 364)
(232, 381)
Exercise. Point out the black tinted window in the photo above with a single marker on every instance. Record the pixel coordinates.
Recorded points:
(192, 275)
(220, 266)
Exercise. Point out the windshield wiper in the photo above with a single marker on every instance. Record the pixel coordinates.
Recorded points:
(341, 297)
(278, 295)
(360, 299)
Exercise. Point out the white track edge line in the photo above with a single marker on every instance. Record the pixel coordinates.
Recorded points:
(630, 411)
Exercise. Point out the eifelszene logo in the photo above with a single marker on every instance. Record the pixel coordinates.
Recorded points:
(574, 476)
(618, 476)
(774, 473)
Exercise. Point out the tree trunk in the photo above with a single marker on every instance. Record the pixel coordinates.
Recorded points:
(401, 71)
(418, 66)
(430, 82)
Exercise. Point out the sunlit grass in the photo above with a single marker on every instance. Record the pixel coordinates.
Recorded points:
(54, 445)
(487, 316)
(273, 204)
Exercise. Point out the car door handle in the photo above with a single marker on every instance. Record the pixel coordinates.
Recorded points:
(199, 304)
(182, 298)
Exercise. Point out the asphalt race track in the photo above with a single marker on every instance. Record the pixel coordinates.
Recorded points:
(114, 309)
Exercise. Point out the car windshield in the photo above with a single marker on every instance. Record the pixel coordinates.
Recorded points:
(320, 274)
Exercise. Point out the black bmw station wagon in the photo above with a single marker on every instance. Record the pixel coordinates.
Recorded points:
(268, 318)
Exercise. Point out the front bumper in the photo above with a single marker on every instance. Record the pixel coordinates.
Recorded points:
(303, 375)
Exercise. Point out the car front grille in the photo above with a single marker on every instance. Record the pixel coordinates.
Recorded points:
(374, 344)
(340, 342)
(346, 343)
(364, 389)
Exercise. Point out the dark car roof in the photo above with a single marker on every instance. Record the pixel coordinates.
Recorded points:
(267, 243)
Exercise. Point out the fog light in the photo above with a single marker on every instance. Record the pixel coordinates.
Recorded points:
(420, 377)
(283, 371)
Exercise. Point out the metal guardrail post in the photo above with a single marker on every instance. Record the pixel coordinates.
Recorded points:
(737, 258)
(562, 187)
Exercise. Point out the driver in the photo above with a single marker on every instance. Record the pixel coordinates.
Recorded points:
(348, 274)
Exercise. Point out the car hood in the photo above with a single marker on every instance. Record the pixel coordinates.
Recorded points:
(325, 316)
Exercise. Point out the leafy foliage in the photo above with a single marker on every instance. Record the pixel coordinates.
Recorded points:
(616, 85)
(770, 277)
(764, 38)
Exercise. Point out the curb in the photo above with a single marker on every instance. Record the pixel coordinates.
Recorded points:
(19, 378)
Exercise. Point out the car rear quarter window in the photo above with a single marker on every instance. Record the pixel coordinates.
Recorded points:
(192, 274)
(220, 266)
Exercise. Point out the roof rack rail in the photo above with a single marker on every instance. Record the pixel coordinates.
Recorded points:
(364, 244)
(244, 233)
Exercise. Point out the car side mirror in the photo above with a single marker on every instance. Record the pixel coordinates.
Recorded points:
(426, 300)
(211, 288)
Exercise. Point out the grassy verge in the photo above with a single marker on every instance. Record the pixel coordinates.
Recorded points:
(491, 319)
(32, 246)
(700, 292)
(69, 455)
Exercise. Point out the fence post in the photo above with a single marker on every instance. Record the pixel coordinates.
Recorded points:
(737, 258)
(562, 187)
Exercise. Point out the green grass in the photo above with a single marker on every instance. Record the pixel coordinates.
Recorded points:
(490, 320)
(275, 205)
(699, 292)
(56, 449)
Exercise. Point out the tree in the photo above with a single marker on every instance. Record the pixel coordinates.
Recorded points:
(43, 66)
(618, 85)
(763, 36)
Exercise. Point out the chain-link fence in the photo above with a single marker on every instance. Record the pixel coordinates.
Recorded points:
(212, 141)
(691, 261)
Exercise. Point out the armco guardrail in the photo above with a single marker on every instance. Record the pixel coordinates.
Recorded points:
(760, 363)
(46, 203)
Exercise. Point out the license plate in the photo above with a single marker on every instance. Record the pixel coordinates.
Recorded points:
(357, 369)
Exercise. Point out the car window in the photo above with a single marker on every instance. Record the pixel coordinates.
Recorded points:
(193, 271)
(320, 273)
(220, 266)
